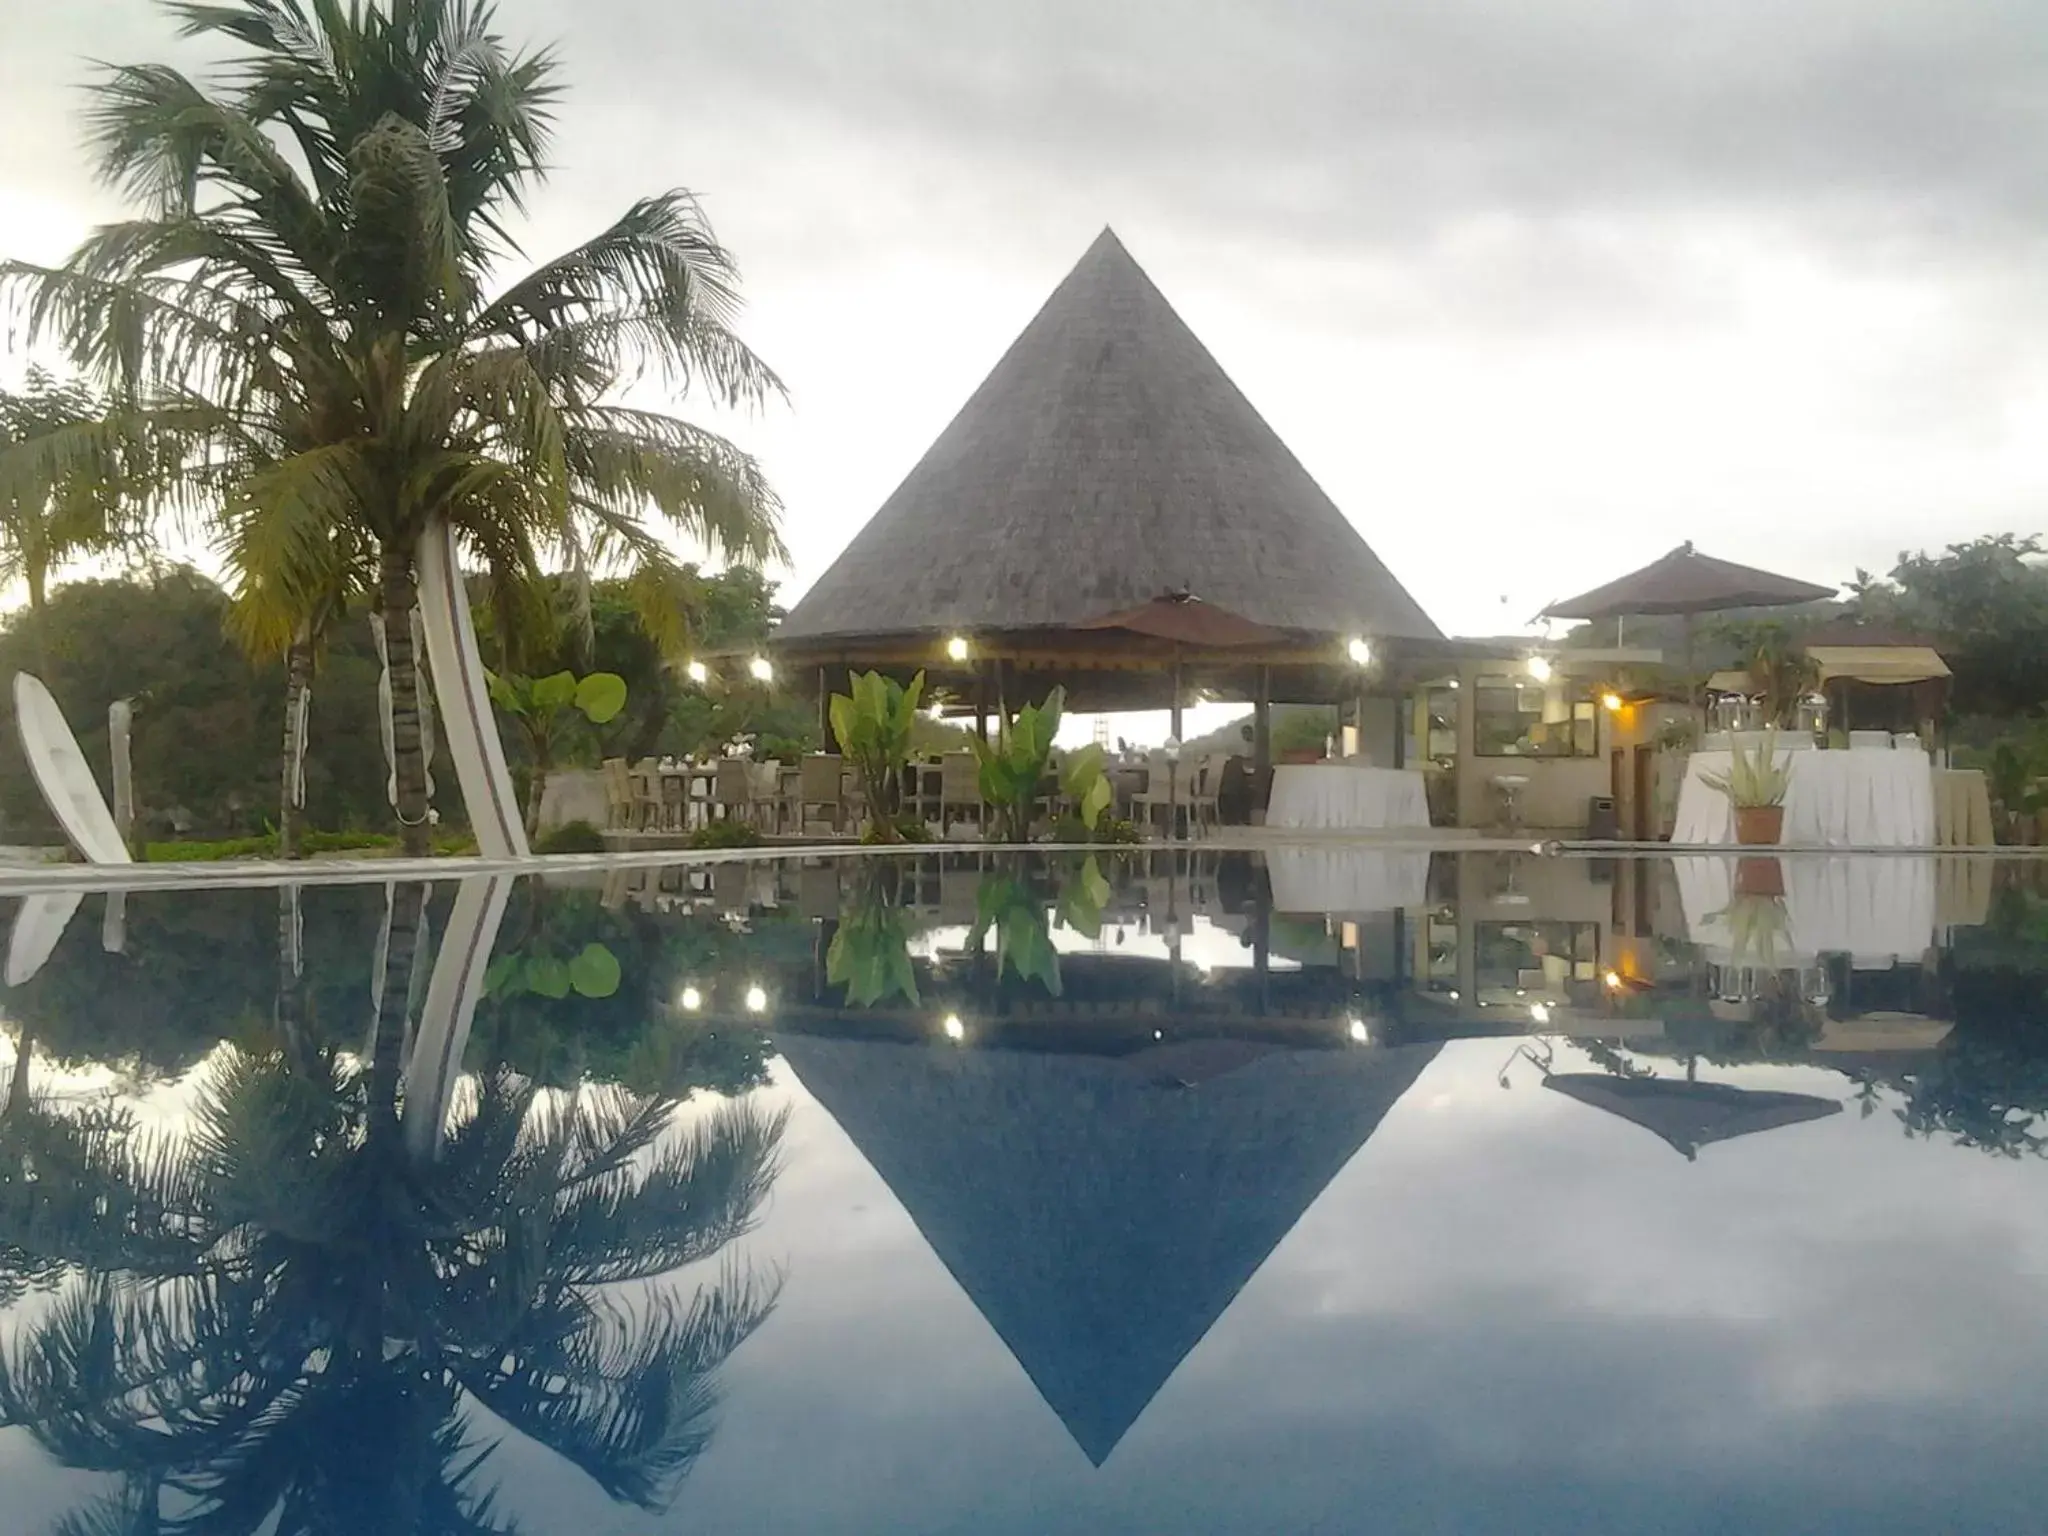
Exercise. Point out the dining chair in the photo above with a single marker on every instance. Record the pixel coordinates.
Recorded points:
(960, 790)
(646, 780)
(618, 794)
(732, 789)
(766, 794)
(819, 784)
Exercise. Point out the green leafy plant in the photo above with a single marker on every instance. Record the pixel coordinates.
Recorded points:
(2016, 772)
(725, 834)
(1755, 777)
(1086, 781)
(1083, 895)
(593, 971)
(1109, 830)
(906, 827)
(1012, 767)
(542, 706)
(873, 723)
(1759, 930)
(1007, 903)
(870, 953)
(571, 837)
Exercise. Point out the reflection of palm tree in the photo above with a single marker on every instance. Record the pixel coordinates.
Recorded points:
(299, 1315)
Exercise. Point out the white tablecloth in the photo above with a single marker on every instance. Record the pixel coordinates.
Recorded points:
(1346, 882)
(1878, 911)
(1333, 796)
(1835, 800)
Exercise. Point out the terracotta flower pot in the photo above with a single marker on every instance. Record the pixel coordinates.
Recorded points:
(1759, 877)
(1759, 826)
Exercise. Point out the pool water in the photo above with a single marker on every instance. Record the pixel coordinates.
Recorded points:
(1328, 1191)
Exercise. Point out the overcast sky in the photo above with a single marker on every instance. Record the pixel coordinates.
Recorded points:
(1534, 291)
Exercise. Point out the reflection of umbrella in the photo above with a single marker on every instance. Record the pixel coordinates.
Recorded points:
(1687, 582)
(1691, 1115)
(1190, 1063)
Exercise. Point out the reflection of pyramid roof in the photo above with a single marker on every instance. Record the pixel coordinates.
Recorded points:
(1106, 461)
(1100, 1219)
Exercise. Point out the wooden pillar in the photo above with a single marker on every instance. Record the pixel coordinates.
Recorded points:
(1404, 717)
(981, 701)
(825, 742)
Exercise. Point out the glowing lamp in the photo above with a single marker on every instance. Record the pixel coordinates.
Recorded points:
(1539, 1013)
(757, 1000)
(954, 1029)
(1359, 1032)
(691, 999)
(760, 670)
(1360, 652)
(956, 648)
(1611, 702)
(698, 673)
(1539, 668)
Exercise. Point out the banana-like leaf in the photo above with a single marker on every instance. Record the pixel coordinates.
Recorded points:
(601, 696)
(557, 691)
(594, 972)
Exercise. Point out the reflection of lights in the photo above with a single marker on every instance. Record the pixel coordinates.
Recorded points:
(1611, 702)
(757, 1000)
(698, 672)
(691, 999)
(1613, 979)
(1360, 1033)
(1452, 683)
(1454, 994)
(1539, 668)
(1360, 652)
(954, 1029)
(1158, 1034)
(761, 670)
(956, 648)
(1539, 1013)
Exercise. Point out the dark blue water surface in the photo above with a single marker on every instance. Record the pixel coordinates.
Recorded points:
(1326, 1192)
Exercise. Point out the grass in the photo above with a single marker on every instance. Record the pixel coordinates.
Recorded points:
(264, 846)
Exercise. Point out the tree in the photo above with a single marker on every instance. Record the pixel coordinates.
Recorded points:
(1986, 603)
(61, 489)
(311, 274)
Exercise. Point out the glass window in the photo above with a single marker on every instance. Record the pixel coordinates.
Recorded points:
(1520, 717)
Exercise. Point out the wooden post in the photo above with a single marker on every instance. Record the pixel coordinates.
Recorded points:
(981, 700)
(1262, 723)
(825, 743)
(1176, 695)
(120, 720)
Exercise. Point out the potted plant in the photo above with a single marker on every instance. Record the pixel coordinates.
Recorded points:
(1755, 785)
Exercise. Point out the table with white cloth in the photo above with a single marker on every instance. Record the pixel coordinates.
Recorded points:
(1877, 911)
(1346, 882)
(1339, 797)
(1866, 799)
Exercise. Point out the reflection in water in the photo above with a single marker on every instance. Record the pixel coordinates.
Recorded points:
(284, 1314)
(1104, 1092)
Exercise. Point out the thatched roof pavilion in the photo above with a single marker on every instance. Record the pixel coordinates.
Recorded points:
(1107, 462)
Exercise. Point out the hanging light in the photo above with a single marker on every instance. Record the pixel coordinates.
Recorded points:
(1360, 1033)
(954, 1029)
(1359, 650)
(1613, 979)
(757, 999)
(1539, 1013)
(698, 673)
(956, 648)
(1540, 668)
(761, 670)
(1611, 702)
(690, 999)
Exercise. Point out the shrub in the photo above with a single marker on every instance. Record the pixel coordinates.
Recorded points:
(571, 837)
(1110, 829)
(905, 827)
(726, 834)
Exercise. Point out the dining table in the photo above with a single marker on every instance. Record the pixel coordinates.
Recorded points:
(1347, 797)
(1858, 798)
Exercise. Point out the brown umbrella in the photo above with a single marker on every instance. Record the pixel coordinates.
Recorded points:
(1687, 582)
(1689, 1115)
(1186, 620)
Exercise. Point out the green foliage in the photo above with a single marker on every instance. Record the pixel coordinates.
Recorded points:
(1986, 604)
(870, 953)
(1110, 829)
(873, 722)
(903, 827)
(571, 837)
(1086, 783)
(1755, 776)
(1013, 766)
(542, 708)
(1779, 671)
(731, 833)
(592, 971)
(1007, 902)
(263, 846)
(1083, 895)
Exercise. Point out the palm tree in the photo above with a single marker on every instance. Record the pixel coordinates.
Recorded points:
(301, 1316)
(331, 303)
(61, 479)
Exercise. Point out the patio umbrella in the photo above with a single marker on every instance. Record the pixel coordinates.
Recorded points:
(1688, 583)
(1689, 1115)
(1185, 619)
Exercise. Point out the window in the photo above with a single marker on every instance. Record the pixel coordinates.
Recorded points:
(1520, 717)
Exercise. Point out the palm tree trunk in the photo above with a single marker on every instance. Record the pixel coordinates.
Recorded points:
(399, 592)
(298, 678)
(17, 1087)
(37, 575)
(387, 1049)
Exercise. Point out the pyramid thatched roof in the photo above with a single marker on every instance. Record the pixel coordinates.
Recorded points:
(1106, 461)
(1098, 1216)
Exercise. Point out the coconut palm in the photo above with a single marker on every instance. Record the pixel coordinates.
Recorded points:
(313, 270)
(62, 474)
(301, 1338)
